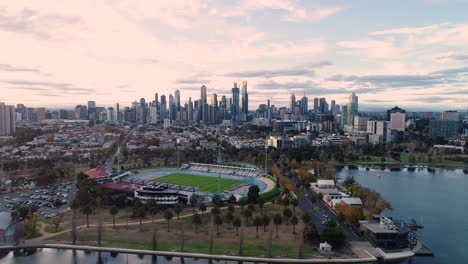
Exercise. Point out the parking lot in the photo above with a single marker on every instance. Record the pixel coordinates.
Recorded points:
(43, 197)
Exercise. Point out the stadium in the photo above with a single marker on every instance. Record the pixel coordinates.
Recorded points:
(172, 186)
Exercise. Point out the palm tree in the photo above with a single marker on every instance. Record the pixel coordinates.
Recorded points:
(87, 211)
(261, 203)
(202, 208)
(113, 211)
(168, 216)
(251, 207)
(306, 218)
(242, 203)
(286, 202)
(247, 214)
(266, 221)
(218, 220)
(178, 209)
(237, 223)
(75, 204)
(196, 219)
(229, 217)
(154, 210)
(231, 208)
(140, 213)
(294, 203)
(215, 211)
(193, 201)
(287, 213)
(294, 222)
(57, 220)
(258, 221)
(278, 220)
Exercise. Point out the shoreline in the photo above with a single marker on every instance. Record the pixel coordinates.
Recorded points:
(191, 255)
(402, 166)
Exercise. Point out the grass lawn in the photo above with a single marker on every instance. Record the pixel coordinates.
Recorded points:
(205, 183)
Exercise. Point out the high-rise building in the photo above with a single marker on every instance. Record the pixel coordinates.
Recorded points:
(41, 114)
(323, 106)
(143, 111)
(7, 119)
(316, 104)
(350, 110)
(235, 102)
(92, 110)
(110, 114)
(163, 110)
(190, 110)
(245, 98)
(177, 100)
(333, 106)
(395, 109)
(360, 123)
(304, 105)
(117, 112)
(447, 129)
(398, 121)
(292, 103)
(380, 132)
(203, 94)
(450, 115)
(214, 100)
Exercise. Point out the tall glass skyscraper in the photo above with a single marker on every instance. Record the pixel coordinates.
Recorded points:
(203, 94)
(235, 102)
(245, 98)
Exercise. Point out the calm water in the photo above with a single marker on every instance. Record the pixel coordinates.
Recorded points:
(63, 256)
(439, 198)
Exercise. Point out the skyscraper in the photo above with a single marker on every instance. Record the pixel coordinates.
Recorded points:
(304, 105)
(203, 94)
(245, 98)
(163, 110)
(235, 102)
(41, 114)
(190, 110)
(117, 112)
(143, 111)
(332, 106)
(316, 104)
(177, 100)
(214, 100)
(7, 119)
(292, 103)
(351, 110)
(91, 110)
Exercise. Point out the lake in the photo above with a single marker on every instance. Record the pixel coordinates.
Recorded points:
(438, 198)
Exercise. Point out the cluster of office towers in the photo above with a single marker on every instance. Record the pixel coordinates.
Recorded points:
(167, 110)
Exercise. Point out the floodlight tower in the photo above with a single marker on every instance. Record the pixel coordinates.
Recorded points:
(178, 154)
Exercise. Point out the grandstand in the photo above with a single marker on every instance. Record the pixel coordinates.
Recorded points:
(221, 169)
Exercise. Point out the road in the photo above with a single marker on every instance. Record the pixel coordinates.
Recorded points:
(110, 160)
(320, 213)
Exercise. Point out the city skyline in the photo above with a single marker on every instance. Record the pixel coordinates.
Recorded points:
(55, 54)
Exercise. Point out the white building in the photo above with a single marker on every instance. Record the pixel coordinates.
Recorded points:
(326, 184)
(397, 121)
(325, 247)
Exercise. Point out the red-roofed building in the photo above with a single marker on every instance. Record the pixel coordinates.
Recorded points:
(97, 173)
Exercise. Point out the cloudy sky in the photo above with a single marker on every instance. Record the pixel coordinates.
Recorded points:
(408, 53)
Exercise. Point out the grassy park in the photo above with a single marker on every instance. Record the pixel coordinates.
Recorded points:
(205, 183)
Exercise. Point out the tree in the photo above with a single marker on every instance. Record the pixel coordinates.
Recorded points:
(57, 203)
(287, 213)
(334, 234)
(278, 220)
(294, 222)
(99, 232)
(193, 201)
(73, 232)
(168, 216)
(247, 213)
(340, 217)
(57, 220)
(216, 200)
(215, 211)
(286, 202)
(218, 220)
(261, 203)
(202, 208)
(196, 220)
(305, 218)
(232, 199)
(294, 203)
(113, 211)
(242, 203)
(87, 211)
(231, 208)
(178, 209)
(74, 205)
(258, 221)
(253, 194)
(265, 221)
(237, 223)
(229, 217)
(140, 213)
(154, 210)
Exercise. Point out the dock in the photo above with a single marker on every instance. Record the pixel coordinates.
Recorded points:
(422, 250)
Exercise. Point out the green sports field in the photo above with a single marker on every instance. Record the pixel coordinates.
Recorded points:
(205, 183)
